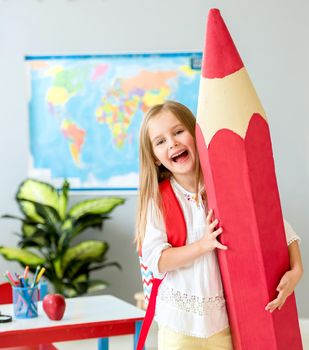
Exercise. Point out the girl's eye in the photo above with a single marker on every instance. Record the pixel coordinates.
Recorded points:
(159, 142)
(179, 131)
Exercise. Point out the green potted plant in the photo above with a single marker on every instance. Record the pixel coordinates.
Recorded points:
(47, 236)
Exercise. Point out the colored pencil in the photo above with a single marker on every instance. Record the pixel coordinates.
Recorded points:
(40, 274)
(11, 283)
(10, 277)
(26, 272)
(35, 276)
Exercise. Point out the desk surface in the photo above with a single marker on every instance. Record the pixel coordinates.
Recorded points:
(85, 317)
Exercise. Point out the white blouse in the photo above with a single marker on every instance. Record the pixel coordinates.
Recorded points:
(190, 299)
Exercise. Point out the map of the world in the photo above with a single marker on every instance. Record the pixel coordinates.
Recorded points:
(85, 113)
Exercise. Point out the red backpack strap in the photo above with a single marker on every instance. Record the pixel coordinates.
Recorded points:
(175, 223)
(151, 308)
(176, 235)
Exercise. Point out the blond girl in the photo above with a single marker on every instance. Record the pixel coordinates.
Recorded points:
(190, 308)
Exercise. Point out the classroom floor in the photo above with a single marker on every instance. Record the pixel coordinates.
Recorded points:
(126, 342)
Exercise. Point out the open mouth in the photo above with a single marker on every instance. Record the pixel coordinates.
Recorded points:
(180, 156)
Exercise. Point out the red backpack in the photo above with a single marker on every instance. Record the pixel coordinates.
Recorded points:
(176, 235)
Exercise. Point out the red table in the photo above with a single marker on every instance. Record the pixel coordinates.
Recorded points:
(85, 317)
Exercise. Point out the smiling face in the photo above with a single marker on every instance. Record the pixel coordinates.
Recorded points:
(173, 146)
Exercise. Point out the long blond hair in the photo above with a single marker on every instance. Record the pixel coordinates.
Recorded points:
(150, 174)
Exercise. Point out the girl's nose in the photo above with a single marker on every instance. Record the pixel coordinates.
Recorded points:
(173, 144)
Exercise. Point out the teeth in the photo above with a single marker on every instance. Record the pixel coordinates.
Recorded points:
(178, 154)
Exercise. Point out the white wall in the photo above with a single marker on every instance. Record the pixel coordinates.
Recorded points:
(272, 37)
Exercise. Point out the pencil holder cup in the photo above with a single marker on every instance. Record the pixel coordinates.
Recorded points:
(25, 302)
(43, 289)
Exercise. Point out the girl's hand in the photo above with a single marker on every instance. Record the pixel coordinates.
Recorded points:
(285, 288)
(177, 257)
(209, 241)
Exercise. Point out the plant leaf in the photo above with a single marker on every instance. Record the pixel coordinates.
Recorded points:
(58, 267)
(94, 206)
(7, 216)
(63, 199)
(31, 237)
(74, 270)
(86, 221)
(32, 241)
(23, 256)
(80, 283)
(50, 215)
(69, 291)
(83, 278)
(87, 251)
(70, 230)
(36, 191)
(34, 235)
(96, 286)
(28, 230)
(64, 241)
(102, 266)
(29, 210)
(51, 218)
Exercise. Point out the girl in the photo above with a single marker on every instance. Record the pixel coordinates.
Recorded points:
(190, 308)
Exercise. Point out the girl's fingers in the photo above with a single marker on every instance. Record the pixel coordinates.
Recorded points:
(217, 232)
(221, 246)
(213, 224)
(281, 304)
(272, 305)
(209, 216)
(276, 303)
(281, 286)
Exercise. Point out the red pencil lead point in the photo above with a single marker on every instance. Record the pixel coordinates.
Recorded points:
(220, 57)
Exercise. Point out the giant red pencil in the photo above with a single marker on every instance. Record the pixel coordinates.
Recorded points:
(236, 156)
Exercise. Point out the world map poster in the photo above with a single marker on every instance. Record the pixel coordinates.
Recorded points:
(85, 113)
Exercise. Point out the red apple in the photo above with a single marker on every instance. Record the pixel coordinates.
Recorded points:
(54, 306)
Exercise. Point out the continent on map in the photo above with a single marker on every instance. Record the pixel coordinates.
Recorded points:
(66, 83)
(76, 138)
(99, 71)
(147, 80)
(128, 95)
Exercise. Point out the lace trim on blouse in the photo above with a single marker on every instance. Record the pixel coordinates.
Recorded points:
(190, 303)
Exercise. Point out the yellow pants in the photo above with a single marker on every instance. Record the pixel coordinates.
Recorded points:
(170, 340)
